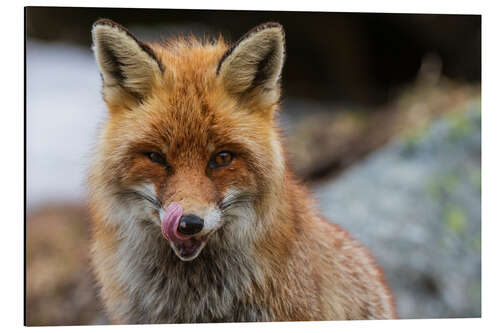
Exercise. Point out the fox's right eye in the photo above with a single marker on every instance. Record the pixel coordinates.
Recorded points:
(157, 158)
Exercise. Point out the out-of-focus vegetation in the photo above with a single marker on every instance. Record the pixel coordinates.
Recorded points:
(323, 143)
(416, 204)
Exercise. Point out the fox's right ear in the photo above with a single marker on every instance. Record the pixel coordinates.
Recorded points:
(128, 67)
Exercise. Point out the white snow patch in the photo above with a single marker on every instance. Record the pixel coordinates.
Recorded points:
(63, 112)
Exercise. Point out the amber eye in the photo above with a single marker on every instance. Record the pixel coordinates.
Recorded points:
(156, 158)
(221, 159)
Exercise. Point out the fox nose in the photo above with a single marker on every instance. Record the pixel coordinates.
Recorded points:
(190, 225)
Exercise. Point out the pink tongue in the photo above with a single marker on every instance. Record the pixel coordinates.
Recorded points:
(170, 222)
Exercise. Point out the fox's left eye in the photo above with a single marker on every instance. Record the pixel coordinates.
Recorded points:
(157, 158)
(221, 159)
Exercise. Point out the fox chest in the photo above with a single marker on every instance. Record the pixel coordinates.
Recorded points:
(204, 290)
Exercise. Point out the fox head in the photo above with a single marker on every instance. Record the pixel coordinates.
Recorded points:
(190, 146)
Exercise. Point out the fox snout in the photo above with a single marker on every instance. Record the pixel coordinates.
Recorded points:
(187, 232)
(177, 223)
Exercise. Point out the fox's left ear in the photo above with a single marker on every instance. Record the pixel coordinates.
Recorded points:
(252, 66)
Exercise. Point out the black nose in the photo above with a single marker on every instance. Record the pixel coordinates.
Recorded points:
(190, 225)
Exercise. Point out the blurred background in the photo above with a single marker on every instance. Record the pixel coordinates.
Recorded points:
(381, 116)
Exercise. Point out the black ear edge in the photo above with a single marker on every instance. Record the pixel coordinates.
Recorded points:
(146, 48)
(250, 33)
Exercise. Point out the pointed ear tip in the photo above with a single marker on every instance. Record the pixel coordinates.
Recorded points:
(271, 26)
(273, 30)
(99, 27)
(104, 21)
(104, 24)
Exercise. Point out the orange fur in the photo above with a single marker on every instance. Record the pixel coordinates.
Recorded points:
(280, 261)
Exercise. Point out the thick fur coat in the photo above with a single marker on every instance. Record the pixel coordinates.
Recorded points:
(193, 123)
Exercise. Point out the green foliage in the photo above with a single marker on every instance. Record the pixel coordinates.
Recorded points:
(411, 141)
(441, 186)
(455, 219)
(462, 123)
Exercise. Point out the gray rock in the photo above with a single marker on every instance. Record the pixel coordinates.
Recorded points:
(416, 204)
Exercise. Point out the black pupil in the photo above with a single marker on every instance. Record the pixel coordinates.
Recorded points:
(223, 158)
(157, 158)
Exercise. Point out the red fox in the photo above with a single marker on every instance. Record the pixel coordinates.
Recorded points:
(196, 215)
